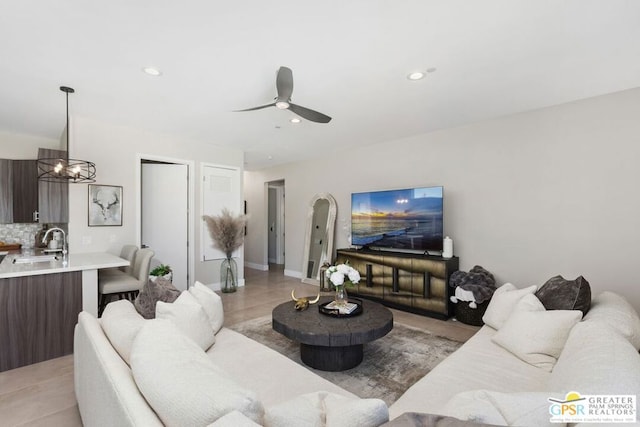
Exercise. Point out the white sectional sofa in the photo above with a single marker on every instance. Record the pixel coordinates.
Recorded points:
(482, 382)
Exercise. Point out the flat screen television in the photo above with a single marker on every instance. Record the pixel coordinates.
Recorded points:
(409, 219)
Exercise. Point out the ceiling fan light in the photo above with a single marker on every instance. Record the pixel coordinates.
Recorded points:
(283, 105)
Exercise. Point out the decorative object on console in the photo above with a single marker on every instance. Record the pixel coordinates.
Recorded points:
(303, 303)
(66, 170)
(447, 247)
(105, 205)
(227, 233)
(341, 276)
(559, 293)
(473, 291)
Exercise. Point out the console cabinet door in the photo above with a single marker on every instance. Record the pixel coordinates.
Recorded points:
(6, 191)
(53, 197)
(25, 191)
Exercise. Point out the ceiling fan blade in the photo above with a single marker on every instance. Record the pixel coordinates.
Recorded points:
(256, 108)
(308, 114)
(284, 83)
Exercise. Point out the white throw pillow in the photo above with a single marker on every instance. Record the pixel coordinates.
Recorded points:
(536, 335)
(492, 407)
(212, 304)
(182, 385)
(503, 301)
(189, 317)
(616, 312)
(121, 323)
(327, 409)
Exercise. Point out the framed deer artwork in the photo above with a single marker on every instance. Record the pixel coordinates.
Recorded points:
(105, 205)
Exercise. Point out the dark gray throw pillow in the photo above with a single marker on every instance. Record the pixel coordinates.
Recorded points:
(559, 293)
(153, 291)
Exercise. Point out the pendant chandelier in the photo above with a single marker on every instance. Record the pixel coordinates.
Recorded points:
(66, 170)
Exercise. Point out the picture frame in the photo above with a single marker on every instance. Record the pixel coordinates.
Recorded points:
(104, 205)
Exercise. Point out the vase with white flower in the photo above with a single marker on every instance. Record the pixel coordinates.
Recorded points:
(341, 276)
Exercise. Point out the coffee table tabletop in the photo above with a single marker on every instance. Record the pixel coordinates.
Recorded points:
(332, 343)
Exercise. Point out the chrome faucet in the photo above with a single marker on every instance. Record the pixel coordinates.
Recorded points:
(64, 241)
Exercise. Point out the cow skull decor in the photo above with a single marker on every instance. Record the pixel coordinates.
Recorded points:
(303, 303)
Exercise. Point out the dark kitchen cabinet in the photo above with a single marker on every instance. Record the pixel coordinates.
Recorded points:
(6, 191)
(53, 197)
(25, 191)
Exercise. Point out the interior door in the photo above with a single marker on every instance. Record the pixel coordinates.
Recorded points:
(165, 227)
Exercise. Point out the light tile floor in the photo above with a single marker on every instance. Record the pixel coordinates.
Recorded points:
(42, 394)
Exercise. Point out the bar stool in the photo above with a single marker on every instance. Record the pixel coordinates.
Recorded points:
(122, 284)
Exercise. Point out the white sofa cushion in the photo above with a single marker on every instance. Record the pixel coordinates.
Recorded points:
(234, 419)
(502, 303)
(327, 409)
(616, 312)
(272, 376)
(121, 322)
(211, 303)
(508, 409)
(596, 360)
(189, 317)
(478, 364)
(534, 334)
(182, 385)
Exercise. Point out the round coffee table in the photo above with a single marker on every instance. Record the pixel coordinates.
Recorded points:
(332, 343)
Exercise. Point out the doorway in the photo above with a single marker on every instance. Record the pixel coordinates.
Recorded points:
(165, 225)
(275, 223)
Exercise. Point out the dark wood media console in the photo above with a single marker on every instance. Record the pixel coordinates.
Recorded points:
(411, 282)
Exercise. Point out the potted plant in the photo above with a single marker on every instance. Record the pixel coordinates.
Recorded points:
(227, 233)
(163, 271)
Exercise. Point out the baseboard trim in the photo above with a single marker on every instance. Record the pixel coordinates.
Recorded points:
(255, 266)
(293, 273)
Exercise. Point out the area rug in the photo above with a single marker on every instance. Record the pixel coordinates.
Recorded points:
(391, 364)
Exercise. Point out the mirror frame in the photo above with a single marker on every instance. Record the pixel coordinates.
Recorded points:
(327, 249)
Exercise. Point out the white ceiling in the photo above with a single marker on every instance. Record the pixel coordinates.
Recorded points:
(349, 59)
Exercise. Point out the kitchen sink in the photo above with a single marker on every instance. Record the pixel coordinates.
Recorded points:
(34, 258)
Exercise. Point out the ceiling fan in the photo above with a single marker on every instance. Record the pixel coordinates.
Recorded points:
(284, 85)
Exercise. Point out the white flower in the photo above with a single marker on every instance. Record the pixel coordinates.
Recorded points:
(337, 278)
(342, 274)
(343, 268)
(354, 276)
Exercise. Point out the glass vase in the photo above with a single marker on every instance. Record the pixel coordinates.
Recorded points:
(228, 275)
(342, 298)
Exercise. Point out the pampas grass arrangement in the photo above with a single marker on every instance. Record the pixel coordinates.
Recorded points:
(226, 230)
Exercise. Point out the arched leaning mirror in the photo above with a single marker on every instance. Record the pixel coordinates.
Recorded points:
(318, 241)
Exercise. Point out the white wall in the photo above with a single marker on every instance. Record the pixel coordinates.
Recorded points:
(23, 147)
(115, 151)
(528, 196)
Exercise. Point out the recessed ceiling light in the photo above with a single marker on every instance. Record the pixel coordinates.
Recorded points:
(152, 71)
(295, 120)
(416, 75)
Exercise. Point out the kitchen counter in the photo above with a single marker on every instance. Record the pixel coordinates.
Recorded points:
(87, 263)
(40, 303)
(76, 262)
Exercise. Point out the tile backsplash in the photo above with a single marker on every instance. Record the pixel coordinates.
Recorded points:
(19, 233)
